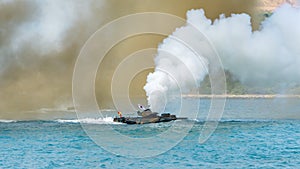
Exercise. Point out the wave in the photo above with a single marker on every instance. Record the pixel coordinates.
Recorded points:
(243, 120)
(106, 120)
(7, 121)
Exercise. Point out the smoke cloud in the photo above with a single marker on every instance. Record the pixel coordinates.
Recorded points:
(268, 56)
(40, 41)
(39, 44)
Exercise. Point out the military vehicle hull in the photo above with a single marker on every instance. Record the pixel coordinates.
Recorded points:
(147, 119)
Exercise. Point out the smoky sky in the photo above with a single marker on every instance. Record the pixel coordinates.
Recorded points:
(40, 41)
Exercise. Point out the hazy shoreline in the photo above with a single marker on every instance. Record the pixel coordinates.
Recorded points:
(244, 96)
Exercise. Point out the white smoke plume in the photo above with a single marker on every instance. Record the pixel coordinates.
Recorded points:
(268, 56)
(177, 70)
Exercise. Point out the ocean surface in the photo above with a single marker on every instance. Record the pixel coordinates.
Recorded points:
(253, 133)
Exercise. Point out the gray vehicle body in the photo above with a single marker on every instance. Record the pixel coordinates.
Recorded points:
(147, 116)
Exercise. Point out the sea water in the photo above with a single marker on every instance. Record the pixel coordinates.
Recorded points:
(252, 134)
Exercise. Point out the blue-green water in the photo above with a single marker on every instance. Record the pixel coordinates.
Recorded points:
(265, 144)
(243, 143)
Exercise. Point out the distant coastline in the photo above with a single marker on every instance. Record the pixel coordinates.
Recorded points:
(244, 96)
